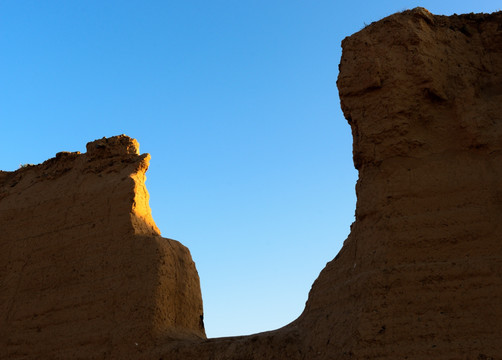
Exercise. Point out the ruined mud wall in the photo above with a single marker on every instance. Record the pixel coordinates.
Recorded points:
(421, 271)
(419, 277)
(84, 272)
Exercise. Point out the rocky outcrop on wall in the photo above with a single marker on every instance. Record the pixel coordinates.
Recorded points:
(84, 272)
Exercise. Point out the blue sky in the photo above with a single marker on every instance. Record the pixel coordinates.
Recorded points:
(236, 102)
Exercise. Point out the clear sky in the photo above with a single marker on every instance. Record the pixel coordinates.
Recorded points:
(236, 102)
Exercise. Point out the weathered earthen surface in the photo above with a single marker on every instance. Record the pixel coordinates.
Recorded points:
(419, 277)
(84, 272)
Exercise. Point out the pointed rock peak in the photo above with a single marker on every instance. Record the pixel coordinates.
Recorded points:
(112, 146)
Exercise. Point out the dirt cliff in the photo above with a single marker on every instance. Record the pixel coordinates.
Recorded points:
(419, 277)
(84, 272)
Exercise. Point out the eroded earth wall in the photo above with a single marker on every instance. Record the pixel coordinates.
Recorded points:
(421, 271)
(84, 272)
(419, 277)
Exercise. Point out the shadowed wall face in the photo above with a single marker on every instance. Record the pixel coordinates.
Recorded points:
(84, 271)
(423, 97)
